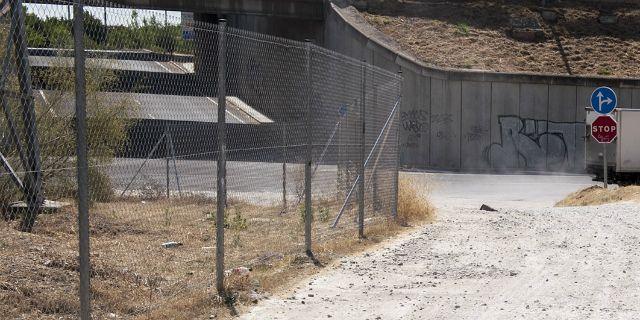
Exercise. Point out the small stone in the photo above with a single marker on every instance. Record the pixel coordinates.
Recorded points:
(485, 207)
(171, 244)
(255, 297)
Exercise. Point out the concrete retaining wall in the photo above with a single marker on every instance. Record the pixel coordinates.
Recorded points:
(475, 120)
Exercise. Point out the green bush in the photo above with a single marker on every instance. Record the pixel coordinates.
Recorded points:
(239, 222)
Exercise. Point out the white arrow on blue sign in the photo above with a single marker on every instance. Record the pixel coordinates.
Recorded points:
(604, 100)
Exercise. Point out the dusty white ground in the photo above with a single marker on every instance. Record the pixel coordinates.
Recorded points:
(528, 260)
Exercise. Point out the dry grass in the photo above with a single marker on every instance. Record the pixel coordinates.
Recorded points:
(475, 34)
(596, 195)
(413, 201)
(133, 277)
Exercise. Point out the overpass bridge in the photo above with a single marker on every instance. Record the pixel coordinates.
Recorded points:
(452, 119)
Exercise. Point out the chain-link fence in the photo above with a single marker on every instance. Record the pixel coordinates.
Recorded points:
(180, 159)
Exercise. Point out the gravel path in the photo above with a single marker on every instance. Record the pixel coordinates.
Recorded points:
(553, 263)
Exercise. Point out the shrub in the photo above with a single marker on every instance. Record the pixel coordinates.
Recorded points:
(413, 202)
(462, 28)
(107, 124)
(239, 222)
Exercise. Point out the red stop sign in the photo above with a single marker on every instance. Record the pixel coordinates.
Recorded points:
(604, 129)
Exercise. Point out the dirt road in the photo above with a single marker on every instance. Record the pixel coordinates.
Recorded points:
(533, 263)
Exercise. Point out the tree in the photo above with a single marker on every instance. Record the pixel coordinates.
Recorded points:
(167, 41)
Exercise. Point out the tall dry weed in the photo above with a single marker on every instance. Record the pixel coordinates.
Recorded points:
(413, 201)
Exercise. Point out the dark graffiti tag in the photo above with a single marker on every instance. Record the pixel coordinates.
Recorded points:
(534, 144)
(445, 135)
(442, 119)
(415, 121)
(475, 133)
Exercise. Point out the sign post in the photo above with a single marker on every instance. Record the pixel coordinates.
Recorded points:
(604, 129)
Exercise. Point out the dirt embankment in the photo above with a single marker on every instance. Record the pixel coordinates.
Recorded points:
(477, 35)
(597, 195)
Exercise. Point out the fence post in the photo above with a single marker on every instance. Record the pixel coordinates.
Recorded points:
(309, 154)
(166, 155)
(33, 181)
(394, 208)
(362, 152)
(374, 176)
(284, 168)
(221, 163)
(82, 166)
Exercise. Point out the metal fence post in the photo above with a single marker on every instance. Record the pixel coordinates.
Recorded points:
(83, 165)
(308, 215)
(374, 177)
(33, 181)
(284, 167)
(362, 152)
(166, 156)
(394, 208)
(222, 135)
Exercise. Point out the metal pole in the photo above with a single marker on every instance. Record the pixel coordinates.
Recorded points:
(222, 135)
(604, 165)
(175, 165)
(373, 174)
(284, 167)
(13, 131)
(151, 153)
(33, 181)
(362, 152)
(166, 155)
(309, 154)
(396, 178)
(12, 174)
(83, 165)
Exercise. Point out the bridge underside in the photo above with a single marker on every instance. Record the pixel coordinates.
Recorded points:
(298, 9)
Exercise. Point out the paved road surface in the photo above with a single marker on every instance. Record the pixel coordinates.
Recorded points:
(511, 191)
(524, 261)
(257, 182)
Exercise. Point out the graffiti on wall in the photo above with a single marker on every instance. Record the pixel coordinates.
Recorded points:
(475, 133)
(535, 144)
(414, 122)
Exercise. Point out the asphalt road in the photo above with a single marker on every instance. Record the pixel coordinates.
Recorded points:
(527, 260)
(257, 182)
(501, 190)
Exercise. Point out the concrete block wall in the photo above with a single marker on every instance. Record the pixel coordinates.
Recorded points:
(471, 120)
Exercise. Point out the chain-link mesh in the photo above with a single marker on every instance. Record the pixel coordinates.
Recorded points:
(152, 121)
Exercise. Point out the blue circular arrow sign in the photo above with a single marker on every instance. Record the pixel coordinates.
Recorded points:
(604, 100)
